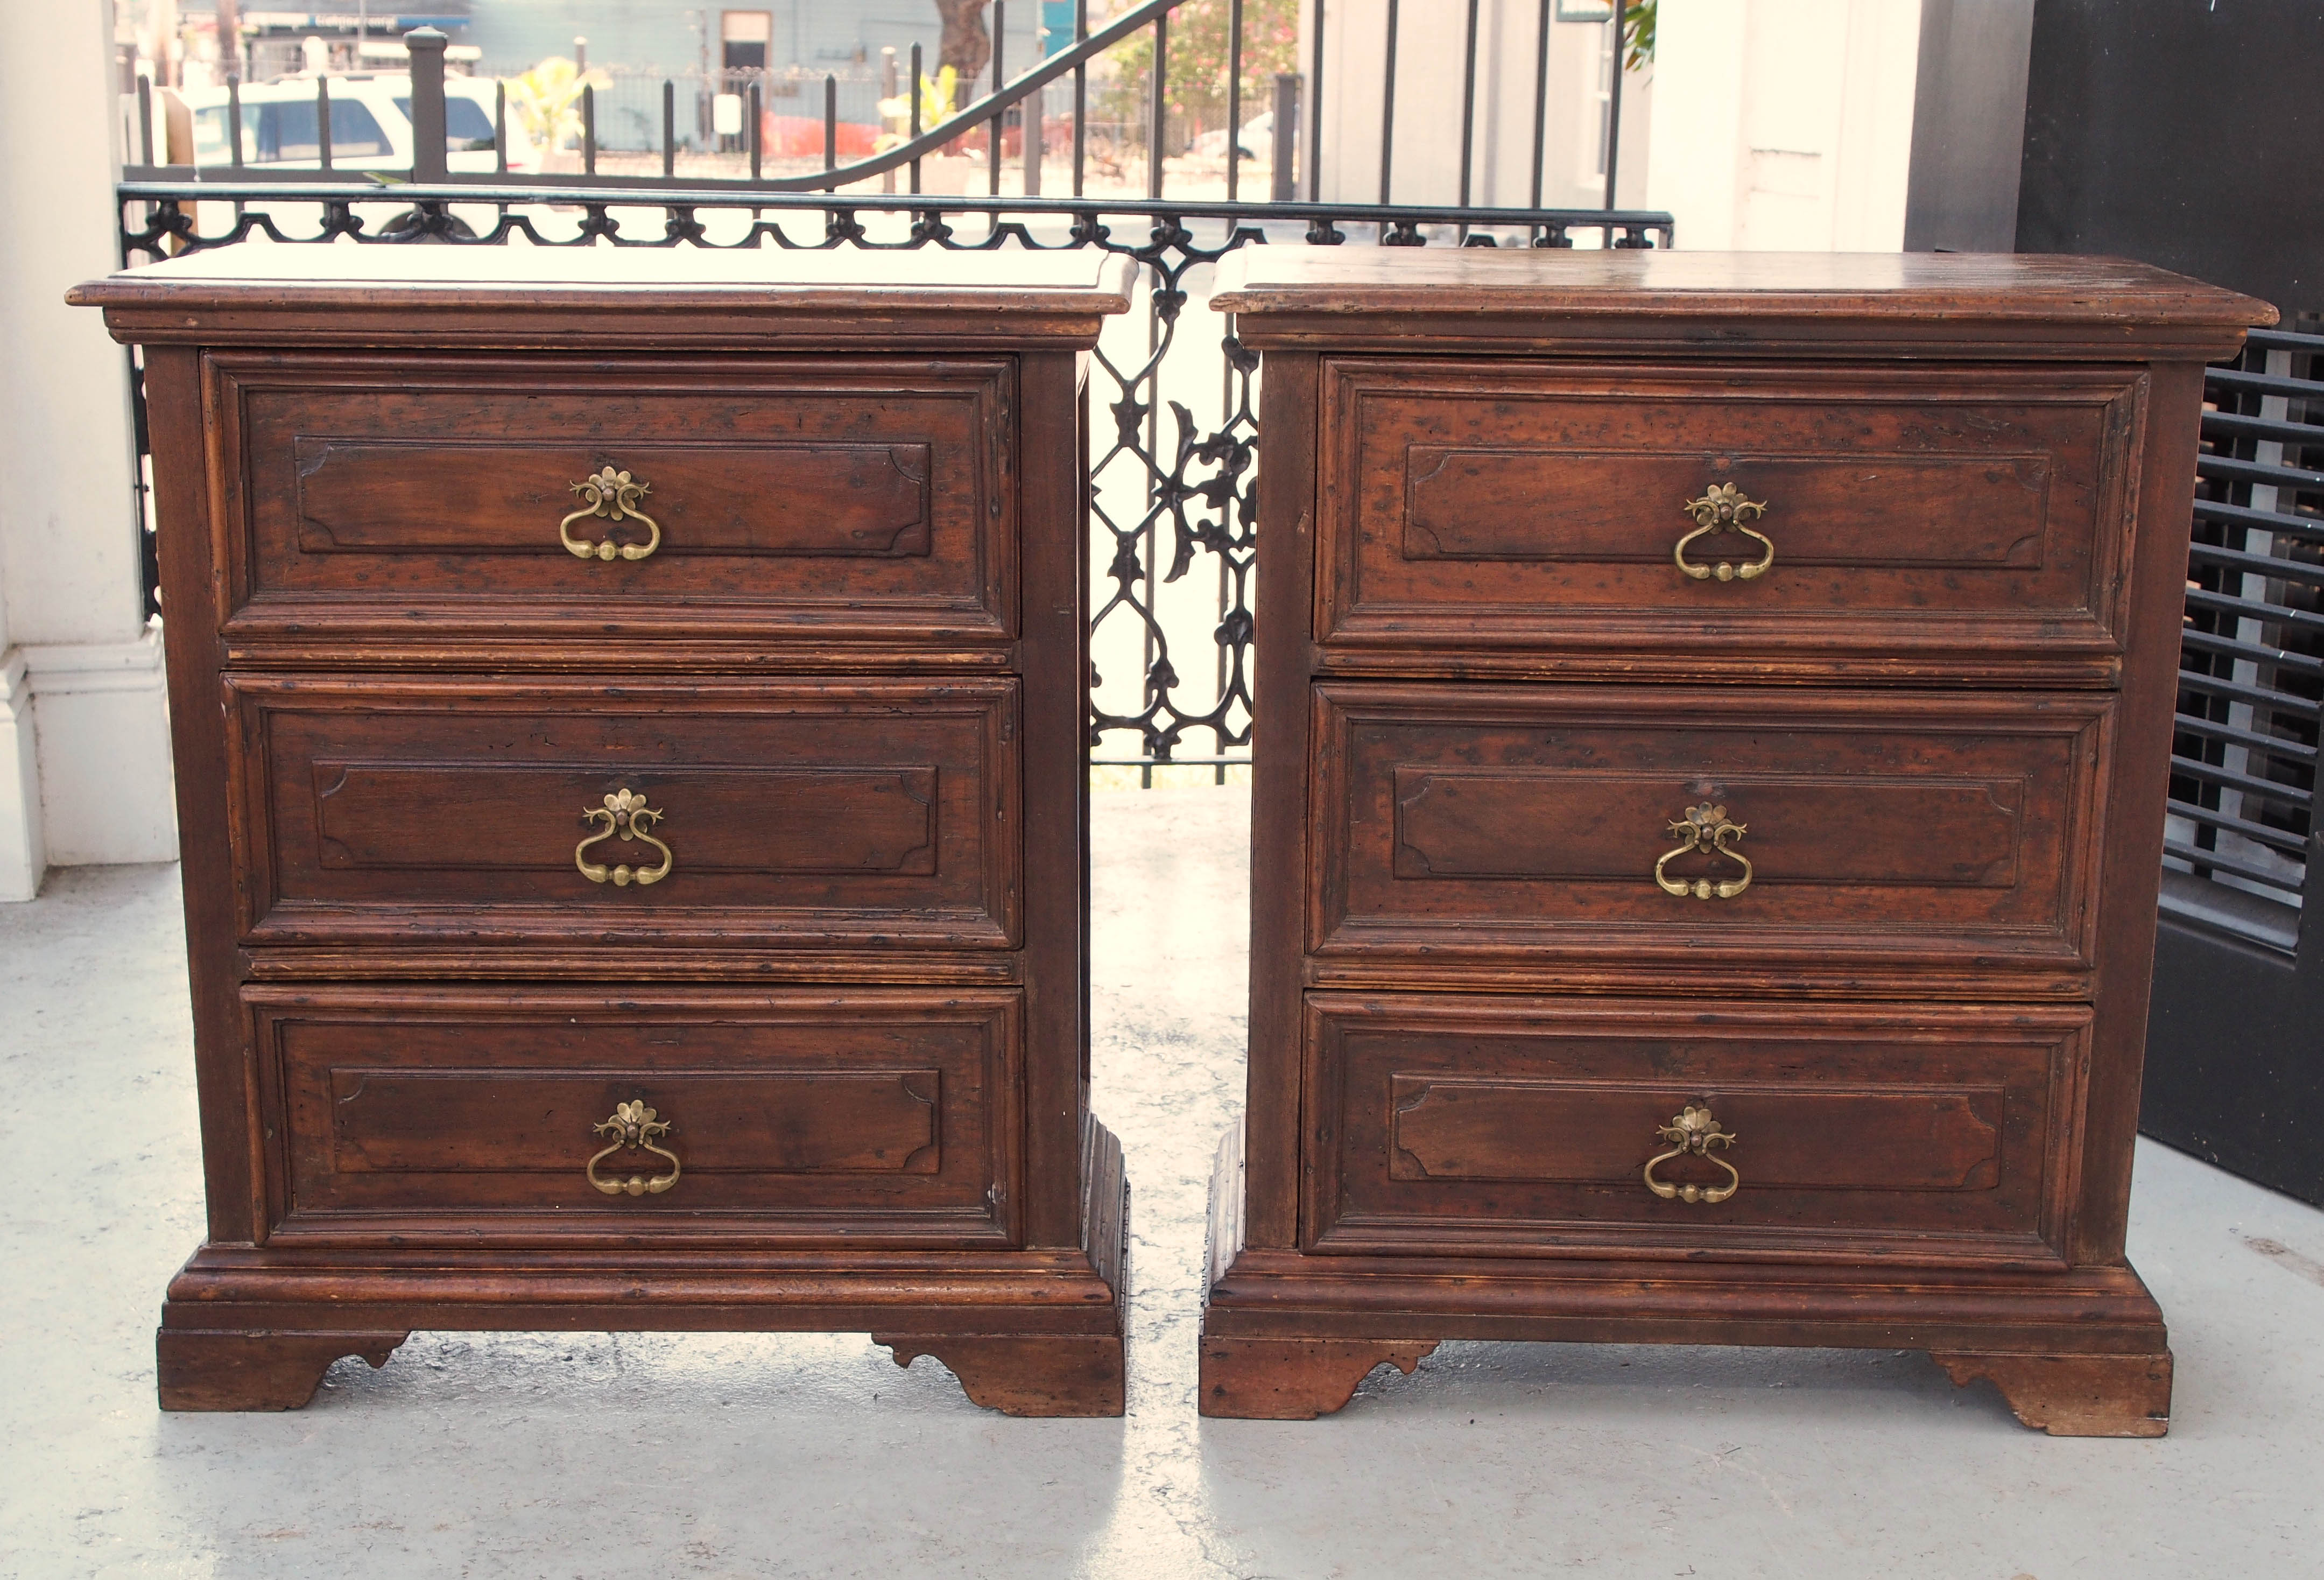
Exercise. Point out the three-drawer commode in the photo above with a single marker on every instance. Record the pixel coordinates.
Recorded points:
(630, 754)
(1711, 732)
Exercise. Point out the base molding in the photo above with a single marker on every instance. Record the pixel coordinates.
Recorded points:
(1027, 1375)
(106, 782)
(2076, 1352)
(2076, 1396)
(204, 1369)
(1294, 1379)
(23, 846)
(1035, 1332)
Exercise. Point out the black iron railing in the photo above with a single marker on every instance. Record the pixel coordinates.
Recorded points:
(1173, 448)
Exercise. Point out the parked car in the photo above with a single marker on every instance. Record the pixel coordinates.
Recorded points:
(1258, 138)
(370, 124)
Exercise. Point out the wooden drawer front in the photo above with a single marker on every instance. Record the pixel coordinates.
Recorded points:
(1524, 1125)
(838, 1116)
(857, 499)
(1475, 505)
(1891, 830)
(865, 813)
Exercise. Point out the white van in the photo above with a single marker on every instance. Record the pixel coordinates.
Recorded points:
(370, 124)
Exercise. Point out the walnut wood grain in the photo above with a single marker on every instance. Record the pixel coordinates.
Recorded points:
(1954, 305)
(1536, 506)
(2076, 1396)
(2134, 874)
(1294, 1379)
(199, 1370)
(802, 499)
(1280, 880)
(204, 764)
(230, 1304)
(698, 297)
(1889, 831)
(813, 813)
(852, 676)
(430, 494)
(1020, 1375)
(1519, 1125)
(1943, 724)
(421, 1116)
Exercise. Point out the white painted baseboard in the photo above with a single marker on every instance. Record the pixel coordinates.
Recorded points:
(23, 854)
(106, 791)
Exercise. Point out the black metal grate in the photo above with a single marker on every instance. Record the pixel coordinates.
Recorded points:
(2243, 770)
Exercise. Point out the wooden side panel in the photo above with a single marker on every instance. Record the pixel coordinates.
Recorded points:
(189, 478)
(1497, 505)
(812, 497)
(1458, 1125)
(2142, 783)
(1055, 763)
(1283, 710)
(1473, 821)
(434, 1113)
(794, 812)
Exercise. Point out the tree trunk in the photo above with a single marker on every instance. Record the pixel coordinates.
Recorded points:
(965, 46)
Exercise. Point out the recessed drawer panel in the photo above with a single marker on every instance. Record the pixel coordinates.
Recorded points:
(1869, 511)
(1693, 828)
(860, 814)
(869, 1113)
(1528, 1125)
(499, 495)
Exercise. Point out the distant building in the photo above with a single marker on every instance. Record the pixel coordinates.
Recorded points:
(660, 38)
(646, 37)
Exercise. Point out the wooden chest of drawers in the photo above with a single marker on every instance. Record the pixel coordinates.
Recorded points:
(629, 747)
(1713, 718)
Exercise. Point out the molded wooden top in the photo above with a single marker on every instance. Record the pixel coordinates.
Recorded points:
(1288, 295)
(516, 295)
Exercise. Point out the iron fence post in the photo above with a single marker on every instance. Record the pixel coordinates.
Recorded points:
(429, 146)
(1285, 189)
(1314, 96)
(1614, 114)
(887, 91)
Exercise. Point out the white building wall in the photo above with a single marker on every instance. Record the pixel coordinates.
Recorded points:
(1430, 36)
(80, 679)
(1785, 125)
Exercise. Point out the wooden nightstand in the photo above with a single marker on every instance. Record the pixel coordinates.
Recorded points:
(630, 730)
(1714, 723)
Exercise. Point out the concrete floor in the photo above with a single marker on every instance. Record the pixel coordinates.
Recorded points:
(588, 1456)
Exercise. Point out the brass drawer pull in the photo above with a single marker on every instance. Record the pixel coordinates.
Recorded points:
(625, 815)
(1724, 509)
(633, 1124)
(1705, 827)
(614, 495)
(1696, 1133)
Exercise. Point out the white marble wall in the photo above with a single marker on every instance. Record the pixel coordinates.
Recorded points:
(84, 729)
